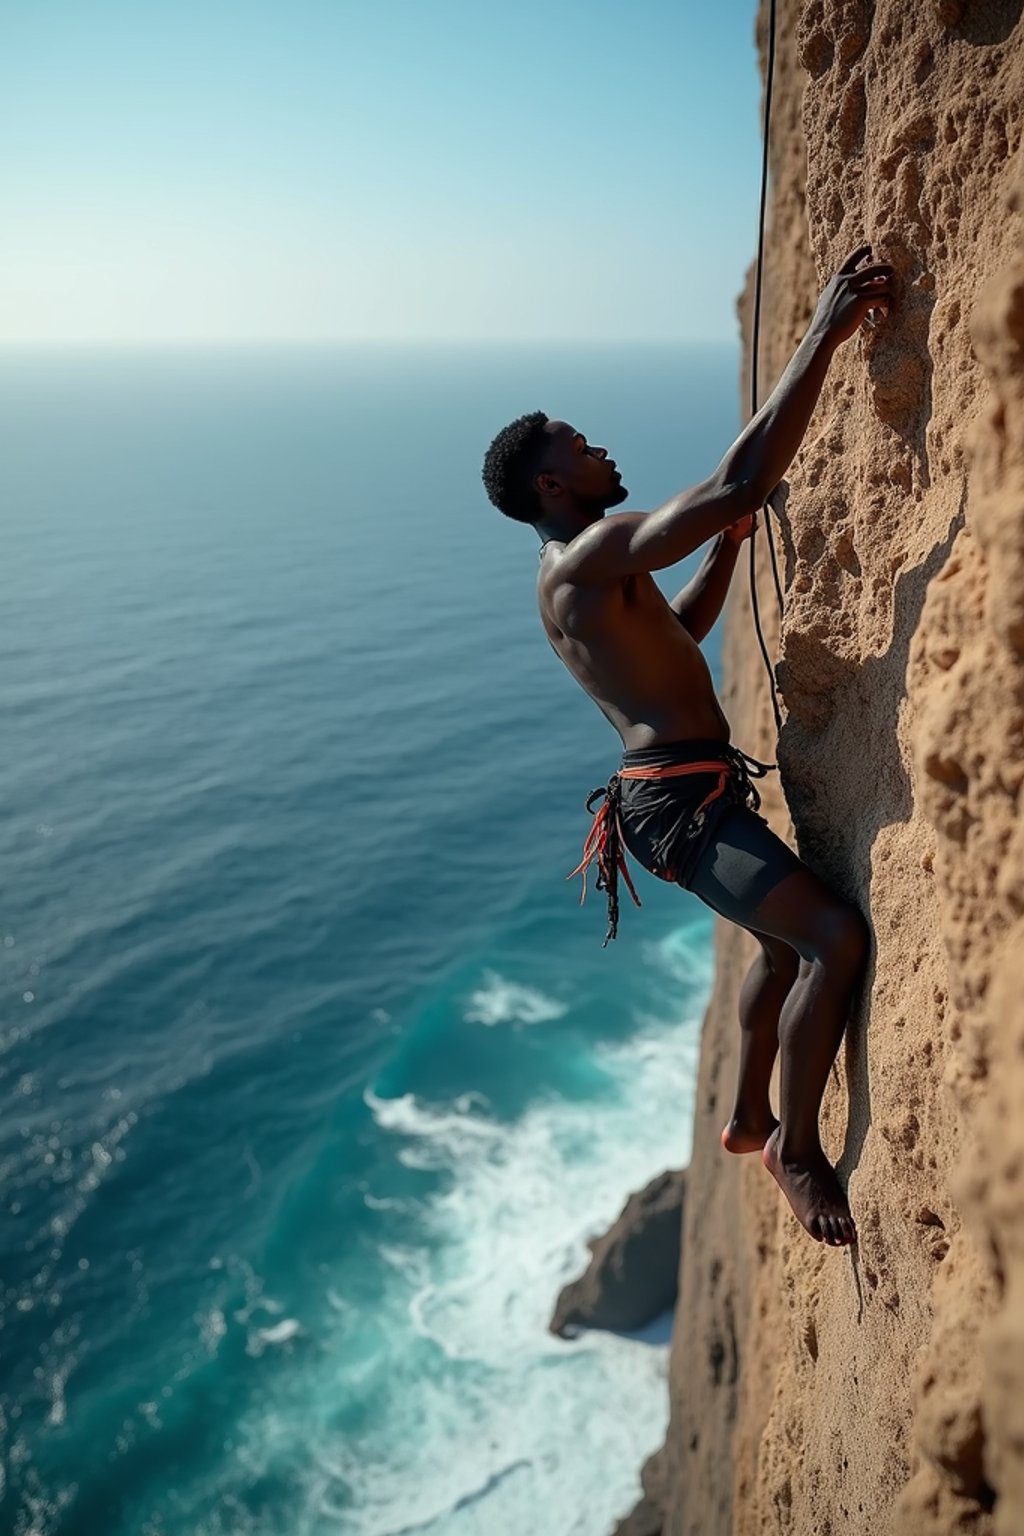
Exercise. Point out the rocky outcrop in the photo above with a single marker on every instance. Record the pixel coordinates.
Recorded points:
(633, 1272)
(821, 1392)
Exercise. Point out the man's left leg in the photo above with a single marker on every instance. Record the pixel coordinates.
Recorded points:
(749, 876)
(765, 989)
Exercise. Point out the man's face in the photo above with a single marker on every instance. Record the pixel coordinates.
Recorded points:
(579, 468)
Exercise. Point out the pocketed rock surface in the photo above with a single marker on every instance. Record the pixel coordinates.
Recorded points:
(833, 1392)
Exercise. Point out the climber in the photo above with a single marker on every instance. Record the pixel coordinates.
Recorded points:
(683, 801)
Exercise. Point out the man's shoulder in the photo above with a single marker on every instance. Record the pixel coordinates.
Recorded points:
(561, 560)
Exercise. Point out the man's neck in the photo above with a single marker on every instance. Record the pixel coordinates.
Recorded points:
(566, 528)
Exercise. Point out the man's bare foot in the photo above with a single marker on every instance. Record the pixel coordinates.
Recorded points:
(743, 1136)
(814, 1193)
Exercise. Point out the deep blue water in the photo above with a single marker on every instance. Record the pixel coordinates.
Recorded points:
(316, 1077)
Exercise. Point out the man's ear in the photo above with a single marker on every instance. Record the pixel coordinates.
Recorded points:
(547, 485)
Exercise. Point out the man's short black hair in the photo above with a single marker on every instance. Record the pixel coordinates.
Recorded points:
(509, 466)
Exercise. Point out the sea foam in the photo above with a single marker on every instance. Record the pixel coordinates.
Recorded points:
(493, 1424)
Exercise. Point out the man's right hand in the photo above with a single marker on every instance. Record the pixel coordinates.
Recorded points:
(851, 294)
(623, 543)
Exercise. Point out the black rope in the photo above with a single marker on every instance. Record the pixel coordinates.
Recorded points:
(755, 338)
(747, 769)
(745, 766)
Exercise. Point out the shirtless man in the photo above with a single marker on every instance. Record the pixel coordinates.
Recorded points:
(682, 800)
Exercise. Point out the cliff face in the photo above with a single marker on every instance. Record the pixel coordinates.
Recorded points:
(828, 1391)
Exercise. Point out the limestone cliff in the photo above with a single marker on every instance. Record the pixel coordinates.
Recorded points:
(828, 1392)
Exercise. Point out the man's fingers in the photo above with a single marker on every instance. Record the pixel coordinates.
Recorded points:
(871, 274)
(851, 261)
(874, 293)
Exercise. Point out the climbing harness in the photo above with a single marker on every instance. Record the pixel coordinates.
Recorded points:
(755, 337)
(605, 840)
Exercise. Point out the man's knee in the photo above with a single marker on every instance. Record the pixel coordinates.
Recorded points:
(841, 939)
(780, 959)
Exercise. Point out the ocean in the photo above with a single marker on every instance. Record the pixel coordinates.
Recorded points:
(316, 1076)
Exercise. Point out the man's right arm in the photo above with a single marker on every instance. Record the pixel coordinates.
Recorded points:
(627, 542)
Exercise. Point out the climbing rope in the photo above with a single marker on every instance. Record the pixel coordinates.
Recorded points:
(755, 337)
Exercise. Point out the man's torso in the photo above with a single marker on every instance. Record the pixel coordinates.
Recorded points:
(629, 651)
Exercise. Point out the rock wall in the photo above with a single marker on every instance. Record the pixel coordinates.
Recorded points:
(837, 1392)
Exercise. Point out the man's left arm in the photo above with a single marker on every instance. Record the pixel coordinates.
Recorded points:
(700, 601)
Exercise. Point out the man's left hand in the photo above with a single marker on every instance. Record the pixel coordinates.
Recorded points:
(741, 529)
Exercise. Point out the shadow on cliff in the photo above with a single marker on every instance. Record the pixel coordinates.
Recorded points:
(875, 779)
(899, 362)
(991, 23)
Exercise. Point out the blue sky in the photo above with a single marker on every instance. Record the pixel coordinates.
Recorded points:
(238, 170)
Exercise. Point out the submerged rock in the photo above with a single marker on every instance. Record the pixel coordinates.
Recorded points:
(632, 1277)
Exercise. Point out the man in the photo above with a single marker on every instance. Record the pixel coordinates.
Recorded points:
(682, 800)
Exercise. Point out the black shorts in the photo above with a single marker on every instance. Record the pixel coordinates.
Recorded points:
(728, 855)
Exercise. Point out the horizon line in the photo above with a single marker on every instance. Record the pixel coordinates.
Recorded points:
(242, 343)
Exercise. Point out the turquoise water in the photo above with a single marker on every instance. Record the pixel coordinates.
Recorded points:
(316, 1076)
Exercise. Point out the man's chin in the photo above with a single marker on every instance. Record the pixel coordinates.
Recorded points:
(618, 495)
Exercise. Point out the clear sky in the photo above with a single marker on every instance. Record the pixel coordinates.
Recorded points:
(245, 170)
